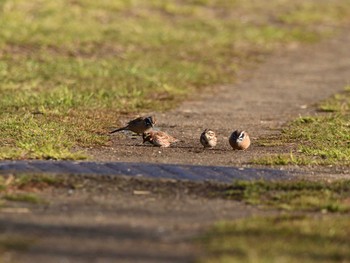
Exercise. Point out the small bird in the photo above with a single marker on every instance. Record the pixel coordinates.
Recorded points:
(158, 138)
(138, 125)
(239, 140)
(208, 138)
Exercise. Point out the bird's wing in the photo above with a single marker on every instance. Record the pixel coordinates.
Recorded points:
(137, 120)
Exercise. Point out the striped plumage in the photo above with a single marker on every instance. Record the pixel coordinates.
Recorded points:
(158, 138)
(208, 138)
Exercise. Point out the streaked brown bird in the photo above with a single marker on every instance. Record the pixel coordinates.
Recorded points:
(239, 140)
(138, 125)
(158, 138)
(208, 138)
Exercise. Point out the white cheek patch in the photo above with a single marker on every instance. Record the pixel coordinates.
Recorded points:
(241, 136)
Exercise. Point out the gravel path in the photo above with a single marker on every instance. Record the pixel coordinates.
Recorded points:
(288, 84)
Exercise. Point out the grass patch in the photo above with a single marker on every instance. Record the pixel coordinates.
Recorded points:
(70, 69)
(23, 197)
(279, 239)
(339, 103)
(18, 243)
(319, 140)
(30, 181)
(294, 196)
(23, 187)
(38, 181)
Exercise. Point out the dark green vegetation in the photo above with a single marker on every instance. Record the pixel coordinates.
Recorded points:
(69, 69)
(11, 242)
(323, 139)
(280, 239)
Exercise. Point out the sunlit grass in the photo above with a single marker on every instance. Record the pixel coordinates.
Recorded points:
(279, 239)
(70, 69)
(319, 140)
(310, 223)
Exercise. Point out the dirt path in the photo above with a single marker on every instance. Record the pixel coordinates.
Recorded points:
(121, 222)
(288, 84)
(124, 220)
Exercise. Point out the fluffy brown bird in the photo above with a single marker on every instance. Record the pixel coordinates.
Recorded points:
(239, 140)
(208, 138)
(138, 125)
(158, 138)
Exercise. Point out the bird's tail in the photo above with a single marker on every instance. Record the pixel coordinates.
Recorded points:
(174, 140)
(117, 130)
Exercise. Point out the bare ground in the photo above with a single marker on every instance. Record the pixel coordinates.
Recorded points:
(119, 220)
(132, 221)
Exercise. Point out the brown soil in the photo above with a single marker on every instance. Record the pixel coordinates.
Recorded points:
(119, 220)
(129, 221)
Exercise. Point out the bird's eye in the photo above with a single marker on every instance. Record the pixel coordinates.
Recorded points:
(148, 121)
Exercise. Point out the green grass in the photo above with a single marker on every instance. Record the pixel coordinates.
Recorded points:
(318, 140)
(304, 196)
(23, 187)
(311, 224)
(23, 197)
(70, 69)
(279, 239)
